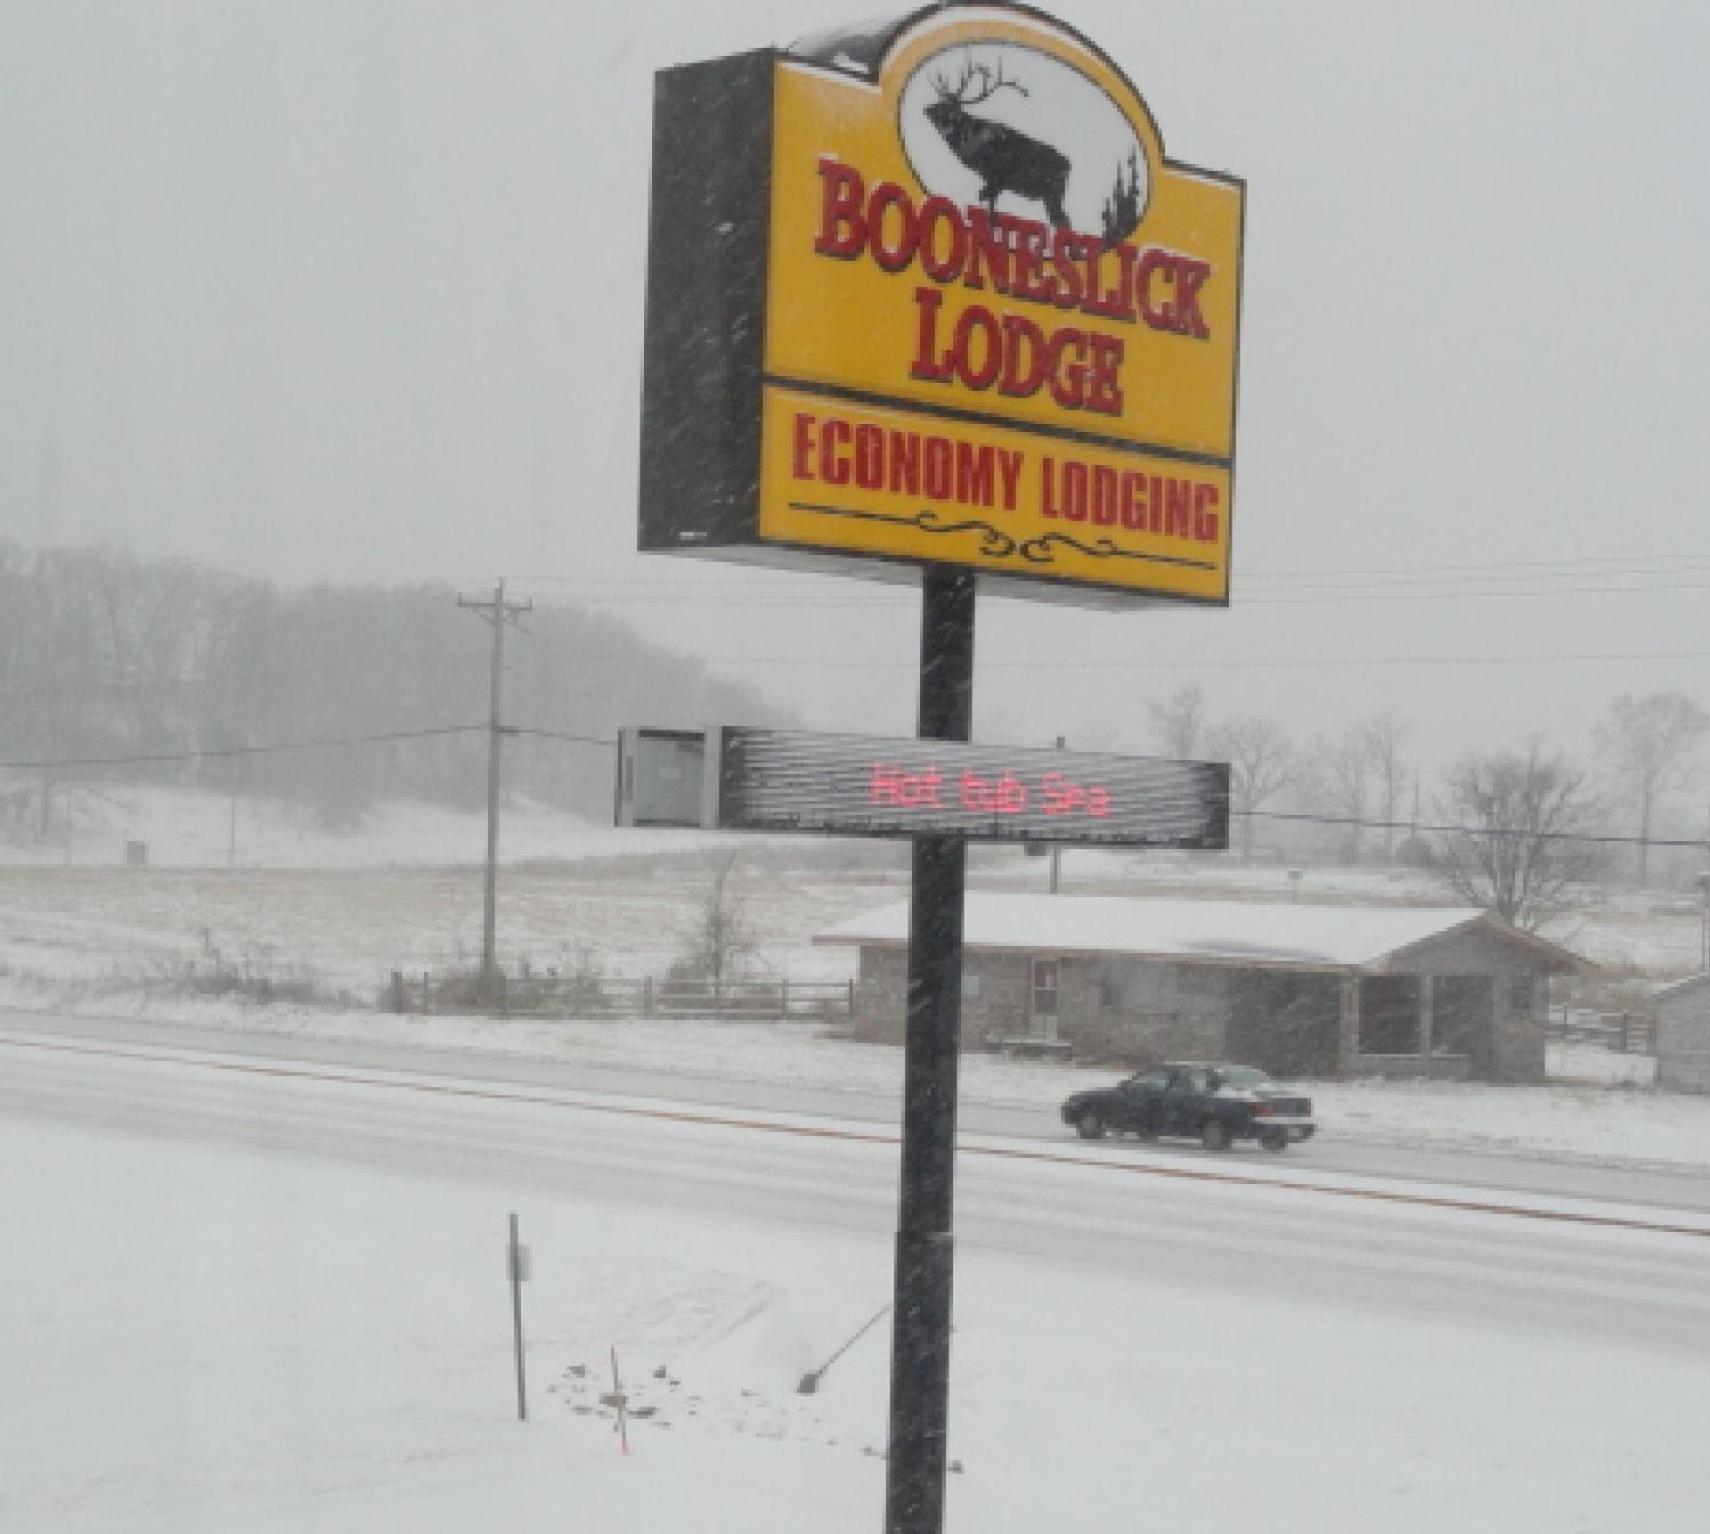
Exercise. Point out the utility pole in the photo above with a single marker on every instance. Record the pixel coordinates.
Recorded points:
(499, 613)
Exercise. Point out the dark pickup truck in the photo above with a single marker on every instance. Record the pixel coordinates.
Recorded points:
(1214, 1104)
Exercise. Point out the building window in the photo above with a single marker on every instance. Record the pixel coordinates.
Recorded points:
(1522, 991)
(1045, 987)
(1389, 1015)
(1147, 988)
(970, 987)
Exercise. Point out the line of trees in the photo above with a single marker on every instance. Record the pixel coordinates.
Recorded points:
(103, 654)
(1531, 815)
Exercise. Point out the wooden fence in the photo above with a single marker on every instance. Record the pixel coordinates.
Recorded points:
(578, 996)
(1623, 1032)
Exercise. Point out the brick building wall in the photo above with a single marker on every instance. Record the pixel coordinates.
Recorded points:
(1136, 1012)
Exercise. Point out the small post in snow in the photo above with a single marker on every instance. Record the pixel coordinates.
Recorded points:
(620, 1403)
(519, 1272)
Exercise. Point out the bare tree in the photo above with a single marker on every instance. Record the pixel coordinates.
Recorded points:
(1518, 849)
(1651, 745)
(721, 934)
(1338, 780)
(1179, 721)
(1261, 765)
(1385, 738)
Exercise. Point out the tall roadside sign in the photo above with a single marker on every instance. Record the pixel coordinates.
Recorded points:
(934, 292)
(928, 301)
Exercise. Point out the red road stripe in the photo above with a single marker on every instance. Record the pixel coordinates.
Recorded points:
(805, 1131)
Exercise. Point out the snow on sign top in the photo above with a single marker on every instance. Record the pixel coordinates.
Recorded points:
(931, 291)
(1202, 931)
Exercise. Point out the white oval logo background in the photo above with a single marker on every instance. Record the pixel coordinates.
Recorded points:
(1067, 143)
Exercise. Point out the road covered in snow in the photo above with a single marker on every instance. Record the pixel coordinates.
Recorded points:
(1568, 1138)
(269, 1295)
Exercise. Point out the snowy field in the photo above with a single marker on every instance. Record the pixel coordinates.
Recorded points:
(404, 889)
(241, 1302)
(102, 939)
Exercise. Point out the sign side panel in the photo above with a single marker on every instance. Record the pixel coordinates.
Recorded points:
(706, 295)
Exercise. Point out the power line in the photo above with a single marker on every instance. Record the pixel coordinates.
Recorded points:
(215, 752)
(1597, 837)
(1332, 662)
(1295, 817)
(584, 740)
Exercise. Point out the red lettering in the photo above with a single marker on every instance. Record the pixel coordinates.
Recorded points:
(1205, 520)
(939, 479)
(1190, 278)
(905, 463)
(1104, 386)
(1160, 316)
(974, 466)
(884, 784)
(977, 318)
(1105, 495)
(1066, 250)
(842, 229)
(1178, 508)
(986, 248)
(1021, 338)
(1133, 508)
(1014, 256)
(1069, 380)
(887, 195)
(801, 459)
(1028, 243)
(926, 366)
(936, 213)
(833, 469)
(869, 457)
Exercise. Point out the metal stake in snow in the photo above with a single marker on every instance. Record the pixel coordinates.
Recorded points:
(518, 1266)
(810, 1381)
(620, 1403)
(920, 1332)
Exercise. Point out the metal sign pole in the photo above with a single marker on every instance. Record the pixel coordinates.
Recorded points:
(920, 1333)
(519, 1271)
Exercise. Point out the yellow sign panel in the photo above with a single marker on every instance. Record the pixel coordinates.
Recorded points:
(877, 479)
(999, 326)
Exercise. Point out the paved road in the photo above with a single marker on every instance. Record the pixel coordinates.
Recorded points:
(1471, 1171)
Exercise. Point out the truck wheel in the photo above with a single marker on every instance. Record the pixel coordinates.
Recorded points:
(1214, 1136)
(1274, 1140)
(1090, 1125)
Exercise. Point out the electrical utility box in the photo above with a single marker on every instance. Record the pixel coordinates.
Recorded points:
(663, 778)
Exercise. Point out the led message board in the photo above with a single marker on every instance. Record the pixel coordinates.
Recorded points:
(754, 779)
(932, 291)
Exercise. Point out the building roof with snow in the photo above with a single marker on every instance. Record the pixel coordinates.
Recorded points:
(1249, 933)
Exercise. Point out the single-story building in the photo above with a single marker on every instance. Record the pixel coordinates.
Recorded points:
(1683, 1035)
(1300, 990)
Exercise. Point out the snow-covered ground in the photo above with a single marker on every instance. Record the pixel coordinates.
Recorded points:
(240, 1301)
(104, 938)
(1578, 1119)
(402, 888)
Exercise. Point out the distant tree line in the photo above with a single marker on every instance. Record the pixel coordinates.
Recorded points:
(104, 654)
(1522, 830)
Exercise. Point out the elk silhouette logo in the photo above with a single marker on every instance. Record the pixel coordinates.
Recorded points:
(995, 122)
(1005, 159)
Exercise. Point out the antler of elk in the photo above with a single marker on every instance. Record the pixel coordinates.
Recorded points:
(971, 72)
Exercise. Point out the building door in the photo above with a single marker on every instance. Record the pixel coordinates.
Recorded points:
(1042, 1014)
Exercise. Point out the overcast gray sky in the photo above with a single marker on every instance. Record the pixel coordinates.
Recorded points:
(333, 290)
